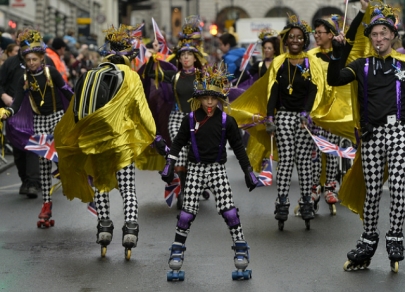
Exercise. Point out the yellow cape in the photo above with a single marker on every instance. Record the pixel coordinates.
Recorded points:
(105, 141)
(251, 106)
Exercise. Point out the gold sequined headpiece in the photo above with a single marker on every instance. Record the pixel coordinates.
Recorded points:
(31, 42)
(294, 22)
(267, 33)
(383, 14)
(211, 81)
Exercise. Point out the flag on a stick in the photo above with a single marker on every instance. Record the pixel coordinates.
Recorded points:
(43, 145)
(172, 191)
(266, 176)
(246, 56)
(160, 38)
(329, 148)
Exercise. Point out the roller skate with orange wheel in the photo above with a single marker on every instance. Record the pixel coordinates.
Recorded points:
(45, 216)
(105, 229)
(130, 232)
(331, 196)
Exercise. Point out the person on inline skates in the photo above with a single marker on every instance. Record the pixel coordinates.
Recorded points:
(40, 97)
(208, 129)
(296, 80)
(380, 75)
(325, 30)
(107, 126)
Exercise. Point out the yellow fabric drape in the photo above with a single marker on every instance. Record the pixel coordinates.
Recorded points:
(105, 141)
(251, 106)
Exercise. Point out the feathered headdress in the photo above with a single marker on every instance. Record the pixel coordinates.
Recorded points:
(383, 14)
(121, 41)
(294, 22)
(31, 42)
(267, 33)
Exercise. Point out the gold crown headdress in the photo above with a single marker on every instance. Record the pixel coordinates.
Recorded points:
(210, 81)
(31, 41)
(267, 33)
(383, 14)
(294, 22)
(121, 41)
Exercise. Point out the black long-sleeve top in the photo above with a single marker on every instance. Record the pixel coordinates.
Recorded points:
(10, 73)
(184, 84)
(47, 107)
(208, 138)
(381, 88)
(302, 97)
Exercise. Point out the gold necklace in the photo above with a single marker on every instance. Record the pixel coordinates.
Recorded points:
(35, 87)
(290, 82)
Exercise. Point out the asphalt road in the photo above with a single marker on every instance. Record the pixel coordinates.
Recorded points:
(67, 258)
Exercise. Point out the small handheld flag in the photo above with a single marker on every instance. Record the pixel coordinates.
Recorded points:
(43, 145)
(266, 176)
(172, 191)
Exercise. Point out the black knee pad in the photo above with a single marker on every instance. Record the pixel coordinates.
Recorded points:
(231, 217)
(184, 220)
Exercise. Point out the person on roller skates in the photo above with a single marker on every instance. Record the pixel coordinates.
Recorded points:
(42, 90)
(295, 81)
(208, 129)
(104, 141)
(325, 30)
(381, 99)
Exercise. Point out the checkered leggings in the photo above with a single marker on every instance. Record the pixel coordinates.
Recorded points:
(332, 161)
(387, 145)
(294, 145)
(175, 119)
(211, 176)
(126, 185)
(45, 124)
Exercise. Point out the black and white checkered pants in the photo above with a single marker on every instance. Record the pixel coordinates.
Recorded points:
(211, 176)
(294, 145)
(175, 119)
(387, 145)
(126, 186)
(332, 161)
(45, 124)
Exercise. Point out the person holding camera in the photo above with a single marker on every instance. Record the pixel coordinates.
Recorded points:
(381, 99)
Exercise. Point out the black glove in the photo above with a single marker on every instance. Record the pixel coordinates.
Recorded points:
(270, 126)
(305, 119)
(160, 145)
(168, 172)
(250, 179)
(337, 49)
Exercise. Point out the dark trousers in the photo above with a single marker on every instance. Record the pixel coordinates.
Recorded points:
(27, 164)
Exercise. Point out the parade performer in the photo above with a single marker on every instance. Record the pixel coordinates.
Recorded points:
(295, 81)
(190, 57)
(27, 162)
(107, 126)
(325, 30)
(44, 88)
(382, 116)
(270, 49)
(208, 129)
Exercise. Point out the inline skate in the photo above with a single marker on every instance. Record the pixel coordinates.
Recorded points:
(282, 205)
(45, 216)
(105, 229)
(306, 210)
(395, 249)
(360, 257)
(331, 196)
(241, 260)
(175, 262)
(130, 232)
(316, 197)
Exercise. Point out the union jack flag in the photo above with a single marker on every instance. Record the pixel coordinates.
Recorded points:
(172, 191)
(164, 49)
(43, 145)
(246, 56)
(138, 32)
(91, 207)
(333, 149)
(266, 176)
(141, 55)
